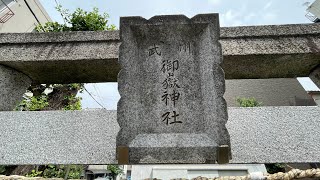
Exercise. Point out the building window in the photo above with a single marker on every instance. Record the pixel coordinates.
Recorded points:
(5, 12)
(3, 4)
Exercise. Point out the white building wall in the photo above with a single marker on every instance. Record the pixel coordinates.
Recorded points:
(167, 172)
(314, 8)
(270, 92)
(23, 20)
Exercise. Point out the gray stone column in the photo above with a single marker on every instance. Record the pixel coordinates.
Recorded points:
(12, 86)
(171, 85)
(315, 76)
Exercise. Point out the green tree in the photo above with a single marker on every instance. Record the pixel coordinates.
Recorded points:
(275, 168)
(115, 170)
(248, 102)
(57, 171)
(79, 20)
(61, 96)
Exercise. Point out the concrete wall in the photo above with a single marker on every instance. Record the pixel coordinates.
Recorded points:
(271, 92)
(23, 20)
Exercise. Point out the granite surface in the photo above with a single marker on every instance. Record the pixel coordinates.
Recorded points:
(187, 148)
(59, 37)
(270, 30)
(171, 82)
(13, 85)
(258, 135)
(58, 137)
(272, 51)
(275, 134)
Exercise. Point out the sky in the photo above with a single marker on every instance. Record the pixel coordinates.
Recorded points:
(231, 12)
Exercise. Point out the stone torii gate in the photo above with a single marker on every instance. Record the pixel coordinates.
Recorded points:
(277, 134)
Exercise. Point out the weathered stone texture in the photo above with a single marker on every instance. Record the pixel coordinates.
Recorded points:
(171, 86)
(271, 51)
(64, 57)
(270, 57)
(274, 134)
(270, 30)
(58, 137)
(281, 51)
(13, 85)
(258, 135)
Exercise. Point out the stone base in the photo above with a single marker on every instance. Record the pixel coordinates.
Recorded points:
(172, 148)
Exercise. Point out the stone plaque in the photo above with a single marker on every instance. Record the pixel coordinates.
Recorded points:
(171, 84)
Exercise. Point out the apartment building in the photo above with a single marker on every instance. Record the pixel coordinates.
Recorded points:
(18, 16)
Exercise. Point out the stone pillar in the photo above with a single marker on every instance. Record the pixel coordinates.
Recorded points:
(12, 86)
(171, 84)
(315, 76)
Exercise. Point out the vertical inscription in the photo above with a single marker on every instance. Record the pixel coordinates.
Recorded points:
(170, 89)
(170, 86)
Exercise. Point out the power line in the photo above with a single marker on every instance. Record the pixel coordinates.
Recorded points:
(34, 15)
(93, 97)
(58, 4)
(98, 94)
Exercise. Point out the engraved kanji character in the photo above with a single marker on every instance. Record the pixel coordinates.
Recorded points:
(174, 97)
(166, 118)
(154, 50)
